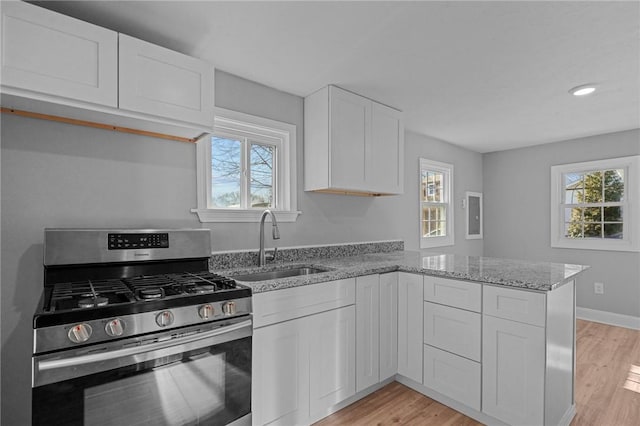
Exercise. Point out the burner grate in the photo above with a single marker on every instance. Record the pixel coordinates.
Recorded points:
(88, 294)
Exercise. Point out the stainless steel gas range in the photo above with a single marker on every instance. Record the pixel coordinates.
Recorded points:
(132, 329)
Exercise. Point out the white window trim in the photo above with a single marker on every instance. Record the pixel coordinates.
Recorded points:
(228, 120)
(631, 239)
(447, 170)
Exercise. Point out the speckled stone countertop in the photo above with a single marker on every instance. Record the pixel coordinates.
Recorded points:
(540, 276)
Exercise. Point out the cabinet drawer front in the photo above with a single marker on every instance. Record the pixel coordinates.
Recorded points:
(281, 305)
(459, 294)
(453, 330)
(518, 305)
(453, 376)
(57, 55)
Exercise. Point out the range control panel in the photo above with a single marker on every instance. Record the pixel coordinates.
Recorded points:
(138, 241)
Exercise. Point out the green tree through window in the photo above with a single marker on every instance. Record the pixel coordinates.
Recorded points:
(594, 204)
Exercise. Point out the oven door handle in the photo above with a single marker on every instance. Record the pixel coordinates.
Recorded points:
(45, 366)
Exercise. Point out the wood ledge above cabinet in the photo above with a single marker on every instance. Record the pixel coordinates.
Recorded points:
(99, 125)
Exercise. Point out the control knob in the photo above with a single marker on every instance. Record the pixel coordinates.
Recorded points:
(80, 333)
(229, 308)
(164, 318)
(206, 311)
(114, 327)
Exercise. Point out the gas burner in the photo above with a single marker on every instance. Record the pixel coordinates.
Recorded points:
(199, 288)
(151, 293)
(91, 301)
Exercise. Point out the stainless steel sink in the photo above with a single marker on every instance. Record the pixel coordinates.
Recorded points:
(280, 273)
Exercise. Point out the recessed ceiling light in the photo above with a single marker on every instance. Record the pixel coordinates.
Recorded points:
(585, 89)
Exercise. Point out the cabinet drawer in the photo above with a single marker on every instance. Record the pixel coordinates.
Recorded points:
(518, 305)
(282, 305)
(459, 294)
(453, 330)
(453, 376)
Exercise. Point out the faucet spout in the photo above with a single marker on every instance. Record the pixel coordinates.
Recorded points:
(275, 234)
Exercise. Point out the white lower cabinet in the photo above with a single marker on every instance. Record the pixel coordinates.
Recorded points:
(453, 376)
(501, 355)
(367, 331)
(303, 367)
(513, 370)
(280, 373)
(410, 336)
(388, 325)
(331, 359)
(303, 352)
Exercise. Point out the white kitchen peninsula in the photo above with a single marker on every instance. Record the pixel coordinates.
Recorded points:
(491, 338)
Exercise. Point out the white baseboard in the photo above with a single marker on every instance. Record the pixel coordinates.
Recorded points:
(610, 318)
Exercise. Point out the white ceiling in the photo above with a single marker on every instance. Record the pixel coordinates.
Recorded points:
(484, 75)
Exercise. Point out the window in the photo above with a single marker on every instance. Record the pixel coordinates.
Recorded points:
(246, 165)
(594, 205)
(436, 208)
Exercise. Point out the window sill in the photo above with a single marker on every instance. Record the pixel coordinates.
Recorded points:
(595, 245)
(433, 242)
(230, 216)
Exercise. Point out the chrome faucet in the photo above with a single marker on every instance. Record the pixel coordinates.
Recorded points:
(262, 259)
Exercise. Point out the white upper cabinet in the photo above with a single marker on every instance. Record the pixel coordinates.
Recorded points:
(54, 54)
(385, 156)
(352, 144)
(158, 81)
(58, 66)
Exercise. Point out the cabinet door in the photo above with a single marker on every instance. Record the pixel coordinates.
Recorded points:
(367, 331)
(332, 359)
(53, 54)
(349, 127)
(513, 370)
(388, 325)
(384, 157)
(280, 374)
(410, 326)
(165, 83)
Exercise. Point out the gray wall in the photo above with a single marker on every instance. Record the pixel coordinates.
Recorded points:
(517, 222)
(58, 175)
(328, 218)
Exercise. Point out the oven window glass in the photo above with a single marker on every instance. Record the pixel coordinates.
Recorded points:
(210, 386)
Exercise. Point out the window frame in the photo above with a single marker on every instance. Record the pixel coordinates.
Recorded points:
(447, 171)
(234, 124)
(630, 205)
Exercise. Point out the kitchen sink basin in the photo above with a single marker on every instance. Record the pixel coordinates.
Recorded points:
(280, 273)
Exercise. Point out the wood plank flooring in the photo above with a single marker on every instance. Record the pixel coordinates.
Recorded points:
(607, 388)
(607, 375)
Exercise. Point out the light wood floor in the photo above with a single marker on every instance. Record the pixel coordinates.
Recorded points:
(607, 388)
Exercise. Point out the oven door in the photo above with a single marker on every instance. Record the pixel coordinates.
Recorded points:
(197, 375)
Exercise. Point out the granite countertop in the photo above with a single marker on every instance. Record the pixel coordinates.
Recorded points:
(539, 276)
